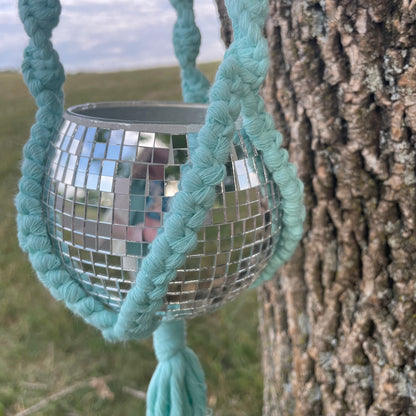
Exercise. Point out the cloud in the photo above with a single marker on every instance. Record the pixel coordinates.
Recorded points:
(96, 35)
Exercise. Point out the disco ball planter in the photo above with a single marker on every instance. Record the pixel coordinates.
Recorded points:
(111, 173)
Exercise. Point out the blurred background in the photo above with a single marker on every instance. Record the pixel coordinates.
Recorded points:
(49, 358)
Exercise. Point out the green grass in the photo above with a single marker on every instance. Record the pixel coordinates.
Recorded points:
(41, 342)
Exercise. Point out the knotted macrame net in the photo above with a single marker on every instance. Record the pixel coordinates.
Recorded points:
(178, 386)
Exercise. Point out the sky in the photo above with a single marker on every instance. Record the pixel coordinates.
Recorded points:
(94, 35)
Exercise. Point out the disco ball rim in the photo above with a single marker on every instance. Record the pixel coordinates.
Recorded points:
(75, 114)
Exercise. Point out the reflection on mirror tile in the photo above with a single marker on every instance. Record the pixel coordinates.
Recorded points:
(131, 138)
(147, 140)
(99, 150)
(79, 133)
(113, 152)
(179, 141)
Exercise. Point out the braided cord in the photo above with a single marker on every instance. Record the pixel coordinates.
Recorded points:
(233, 85)
(237, 82)
(251, 52)
(187, 211)
(44, 76)
(186, 43)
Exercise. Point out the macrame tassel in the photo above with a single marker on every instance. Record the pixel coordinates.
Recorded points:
(178, 385)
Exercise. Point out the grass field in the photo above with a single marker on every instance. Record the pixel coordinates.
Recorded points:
(44, 349)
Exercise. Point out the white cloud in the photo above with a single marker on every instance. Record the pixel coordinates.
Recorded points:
(96, 34)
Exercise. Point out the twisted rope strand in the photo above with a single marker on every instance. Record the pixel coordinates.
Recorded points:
(186, 42)
(250, 50)
(44, 76)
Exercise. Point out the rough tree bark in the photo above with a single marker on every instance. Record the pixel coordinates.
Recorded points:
(226, 27)
(338, 324)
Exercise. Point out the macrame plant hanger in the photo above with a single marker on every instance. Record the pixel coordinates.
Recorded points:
(178, 386)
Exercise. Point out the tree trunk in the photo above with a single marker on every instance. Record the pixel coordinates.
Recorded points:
(338, 324)
(226, 27)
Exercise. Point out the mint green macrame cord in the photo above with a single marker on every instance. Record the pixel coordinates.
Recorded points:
(186, 43)
(44, 77)
(177, 387)
(235, 89)
(250, 51)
